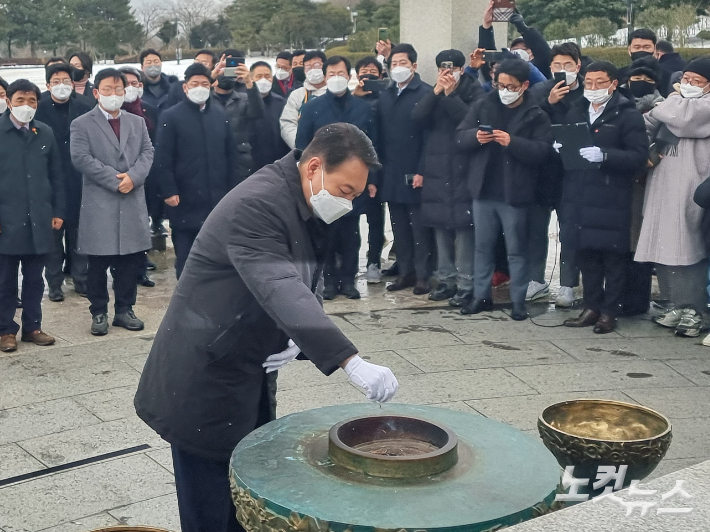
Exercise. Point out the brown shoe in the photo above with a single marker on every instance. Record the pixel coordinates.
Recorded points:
(8, 343)
(605, 324)
(586, 319)
(38, 338)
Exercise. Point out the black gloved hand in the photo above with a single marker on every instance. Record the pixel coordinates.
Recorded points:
(516, 19)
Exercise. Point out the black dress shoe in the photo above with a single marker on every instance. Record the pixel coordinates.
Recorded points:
(461, 299)
(422, 287)
(408, 281)
(329, 292)
(150, 265)
(56, 295)
(443, 291)
(585, 319)
(128, 321)
(392, 271)
(80, 289)
(349, 291)
(519, 312)
(477, 306)
(146, 281)
(605, 324)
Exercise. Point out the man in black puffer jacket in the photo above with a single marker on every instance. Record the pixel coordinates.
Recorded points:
(503, 176)
(446, 203)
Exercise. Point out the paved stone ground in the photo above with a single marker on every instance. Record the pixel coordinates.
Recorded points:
(73, 401)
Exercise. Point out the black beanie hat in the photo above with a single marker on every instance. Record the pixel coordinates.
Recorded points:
(700, 66)
(454, 56)
(648, 66)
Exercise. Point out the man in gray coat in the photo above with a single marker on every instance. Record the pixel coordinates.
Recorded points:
(114, 154)
(251, 287)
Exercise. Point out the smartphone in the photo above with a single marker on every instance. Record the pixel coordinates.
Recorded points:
(409, 179)
(383, 34)
(503, 10)
(486, 129)
(449, 65)
(492, 56)
(231, 66)
(374, 85)
(560, 76)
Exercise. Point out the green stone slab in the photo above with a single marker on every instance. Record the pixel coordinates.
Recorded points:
(282, 478)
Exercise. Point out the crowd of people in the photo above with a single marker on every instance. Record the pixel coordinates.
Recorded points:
(472, 168)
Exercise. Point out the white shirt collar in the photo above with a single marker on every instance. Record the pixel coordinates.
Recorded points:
(107, 114)
(594, 115)
(17, 124)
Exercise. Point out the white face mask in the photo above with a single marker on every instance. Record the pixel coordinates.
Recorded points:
(509, 97)
(691, 91)
(3, 105)
(62, 92)
(457, 75)
(263, 85)
(598, 96)
(571, 77)
(522, 54)
(198, 95)
(326, 206)
(338, 84)
(23, 113)
(315, 76)
(140, 92)
(281, 74)
(111, 103)
(132, 94)
(400, 74)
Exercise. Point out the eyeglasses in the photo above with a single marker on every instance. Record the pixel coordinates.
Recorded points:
(597, 85)
(694, 82)
(108, 91)
(314, 66)
(56, 82)
(511, 88)
(559, 67)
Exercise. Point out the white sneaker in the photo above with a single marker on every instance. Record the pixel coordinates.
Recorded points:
(565, 297)
(373, 274)
(706, 341)
(537, 291)
(691, 323)
(670, 318)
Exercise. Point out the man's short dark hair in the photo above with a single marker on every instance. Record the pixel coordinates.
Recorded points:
(340, 142)
(569, 49)
(367, 61)
(403, 48)
(233, 52)
(109, 73)
(665, 47)
(299, 52)
(56, 59)
(3, 84)
(149, 51)
(336, 60)
(22, 85)
(197, 69)
(53, 69)
(313, 54)
(643, 33)
(133, 71)
(205, 51)
(260, 64)
(85, 59)
(285, 55)
(604, 66)
(516, 68)
(518, 40)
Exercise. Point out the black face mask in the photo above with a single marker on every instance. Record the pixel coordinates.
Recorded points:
(299, 74)
(641, 88)
(639, 55)
(77, 74)
(225, 83)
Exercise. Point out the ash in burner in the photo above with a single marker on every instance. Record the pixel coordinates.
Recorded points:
(397, 447)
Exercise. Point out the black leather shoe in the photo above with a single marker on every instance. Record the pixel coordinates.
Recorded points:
(408, 281)
(605, 324)
(349, 291)
(329, 292)
(80, 289)
(443, 291)
(150, 265)
(519, 312)
(585, 319)
(99, 325)
(146, 281)
(422, 287)
(392, 271)
(461, 299)
(128, 321)
(477, 306)
(56, 295)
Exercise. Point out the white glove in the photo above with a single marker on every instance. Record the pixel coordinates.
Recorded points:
(593, 154)
(279, 360)
(378, 381)
(556, 146)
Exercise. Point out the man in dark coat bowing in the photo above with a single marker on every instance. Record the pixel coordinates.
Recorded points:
(250, 293)
(31, 206)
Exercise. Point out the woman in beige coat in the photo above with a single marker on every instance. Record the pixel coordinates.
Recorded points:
(671, 235)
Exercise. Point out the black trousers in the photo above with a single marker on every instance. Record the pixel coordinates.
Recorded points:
(65, 250)
(125, 282)
(155, 204)
(182, 241)
(415, 243)
(637, 288)
(32, 290)
(203, 494)
(375, 212)
(603, 279)
(342, 258)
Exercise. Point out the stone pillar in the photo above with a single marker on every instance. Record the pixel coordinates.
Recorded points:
(434, 25)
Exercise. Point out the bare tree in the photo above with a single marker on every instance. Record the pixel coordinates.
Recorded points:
(189, 13)
(150, 15)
